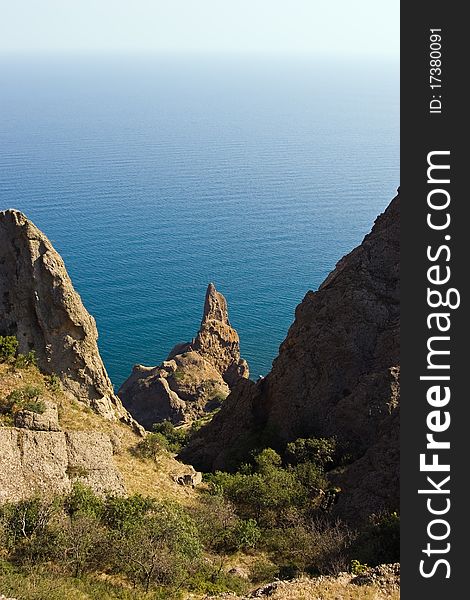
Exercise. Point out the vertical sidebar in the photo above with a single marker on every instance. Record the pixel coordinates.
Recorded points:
(435, 421)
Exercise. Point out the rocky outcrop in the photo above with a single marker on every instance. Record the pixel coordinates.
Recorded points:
(45, 462)
(196, 377)
(39, 306)
(48, 420)
(148, 397)
(335, 375)
(190, 477)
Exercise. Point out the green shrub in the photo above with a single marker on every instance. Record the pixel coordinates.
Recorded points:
(83, 544)
(175, 437)
(212, 579)
(216, 519)
(315, 546)
(123, 513)
(39, 583)
(8, 347)
(81, 500)
(22, 361)
(357, 568)
(36, 406)
(379, 541)
(246, 535)
(267, 461)
(319, 451)
(310, 476)
(165, 436)
(24, 398)
(150, 446)
(263, 570)
(195, 427)
(199, 423)
(260, 496)
(162, 549)
(26, 518)
(6, 420)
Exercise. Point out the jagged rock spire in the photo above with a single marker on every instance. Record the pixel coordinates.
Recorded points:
(215, 307)
(217, 341)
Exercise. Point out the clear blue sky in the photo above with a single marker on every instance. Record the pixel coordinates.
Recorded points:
(311, 27)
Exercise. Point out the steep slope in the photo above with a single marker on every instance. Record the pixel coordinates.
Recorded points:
(196, 377)
(335, 374)
(39, 306)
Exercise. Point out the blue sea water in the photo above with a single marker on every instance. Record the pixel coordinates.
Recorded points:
(153, 176)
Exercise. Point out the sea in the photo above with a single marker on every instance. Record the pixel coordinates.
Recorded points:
(155, 175)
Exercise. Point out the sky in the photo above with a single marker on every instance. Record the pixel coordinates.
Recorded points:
(346, 28)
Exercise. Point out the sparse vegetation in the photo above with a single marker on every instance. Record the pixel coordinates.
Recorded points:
(289, 499)
(178, 375)
(24, 387)
(9, 353)
(157, 548)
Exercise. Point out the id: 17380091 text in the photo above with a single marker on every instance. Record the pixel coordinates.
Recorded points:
(435, 70)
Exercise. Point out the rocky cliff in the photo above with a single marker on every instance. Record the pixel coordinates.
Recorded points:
(39, 306)
(336, 375)
(196, 377)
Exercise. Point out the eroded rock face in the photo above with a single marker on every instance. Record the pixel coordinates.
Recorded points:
(196, 377)
(39, 305)
(48, 462)
(336, 375)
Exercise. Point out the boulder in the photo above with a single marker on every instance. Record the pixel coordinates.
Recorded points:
(190, 477)
(149, 398)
